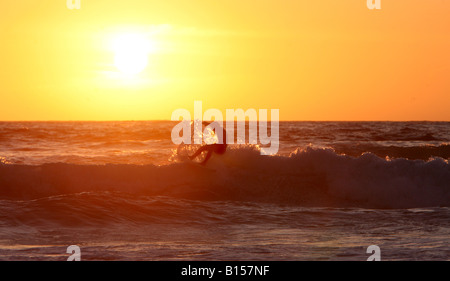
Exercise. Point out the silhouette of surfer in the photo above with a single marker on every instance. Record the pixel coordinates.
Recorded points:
(219, 148)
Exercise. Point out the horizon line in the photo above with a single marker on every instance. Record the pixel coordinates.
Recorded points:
(168, 120)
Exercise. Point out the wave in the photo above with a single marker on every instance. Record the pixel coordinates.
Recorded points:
(307, 177)
(423, 152)
(403, 137)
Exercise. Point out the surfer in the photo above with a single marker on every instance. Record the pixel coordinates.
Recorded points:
(219, 148)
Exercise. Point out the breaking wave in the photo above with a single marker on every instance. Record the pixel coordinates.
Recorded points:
(307, 177)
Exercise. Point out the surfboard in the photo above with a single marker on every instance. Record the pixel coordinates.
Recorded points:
(185, 150)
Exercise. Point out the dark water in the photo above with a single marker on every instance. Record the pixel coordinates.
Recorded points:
(117, 190)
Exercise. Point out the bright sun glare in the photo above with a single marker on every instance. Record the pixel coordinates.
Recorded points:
(131, 53)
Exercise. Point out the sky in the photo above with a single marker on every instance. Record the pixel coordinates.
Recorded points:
(312, 60)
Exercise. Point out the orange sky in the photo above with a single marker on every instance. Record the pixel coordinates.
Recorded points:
(312, 60)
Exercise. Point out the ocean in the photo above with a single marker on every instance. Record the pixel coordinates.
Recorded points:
(119, 191)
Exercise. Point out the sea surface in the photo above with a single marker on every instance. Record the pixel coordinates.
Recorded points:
(120, 191)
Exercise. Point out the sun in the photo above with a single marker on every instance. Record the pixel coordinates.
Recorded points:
(131, 53)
